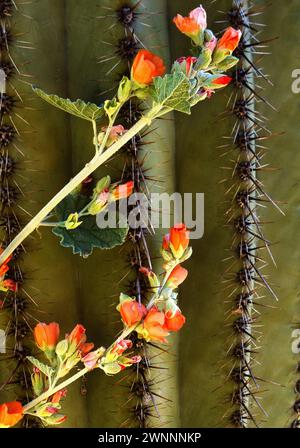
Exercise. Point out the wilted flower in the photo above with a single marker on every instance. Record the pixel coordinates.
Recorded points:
(114, 361)
(115, 133)
(58, 396)
(152, 278)
(121, 346)
(8, 285)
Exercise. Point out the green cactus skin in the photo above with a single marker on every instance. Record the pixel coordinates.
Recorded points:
(48, 268)
(212, 363)
(278, 362)
(87, 291)
(99, 278)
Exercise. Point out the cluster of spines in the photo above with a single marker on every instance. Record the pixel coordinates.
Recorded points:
(142, 403)
(244, 279)
(16, 305)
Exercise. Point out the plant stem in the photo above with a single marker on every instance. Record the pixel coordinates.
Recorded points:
(126, 332)
(98, 160)
(50, 392)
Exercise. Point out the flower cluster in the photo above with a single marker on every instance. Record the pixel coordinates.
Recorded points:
(192, 79)
(105, 193)
(216, 56)
(153, 322)
(62, 356)
(162, 315)
(205, 70)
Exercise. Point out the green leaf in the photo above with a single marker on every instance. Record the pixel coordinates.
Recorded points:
(86, 111)
(173, 90)
(88, 236)
(46, 370)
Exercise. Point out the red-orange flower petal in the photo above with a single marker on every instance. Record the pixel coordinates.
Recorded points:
(123, 191)
(229, 40)
(187, 25)
(179, 236)
(177, 276)
(174, 323)
(147, 66)
(10, 414)
(222, 80)
(58, 396)
(132, 312)
(77, 335)
(154, 325)
(46, 336)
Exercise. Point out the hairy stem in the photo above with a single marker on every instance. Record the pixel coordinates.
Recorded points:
(125, 333)
(98, 160)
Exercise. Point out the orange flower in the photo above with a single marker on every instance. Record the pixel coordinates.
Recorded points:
(58, 396)
(221, 81)
(10, 285)
(152, 328)
(177, 240)
(229, 40)
(122, 191)
(177, 276)
(193, 24)
(46, 336)
(131, 311)
(10, 414)
(4, 268)
(77, 339)
(147, 66)
(174, 323)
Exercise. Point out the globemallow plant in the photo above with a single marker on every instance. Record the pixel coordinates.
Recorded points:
(74, 213)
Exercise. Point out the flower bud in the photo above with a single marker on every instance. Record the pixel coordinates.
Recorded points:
(177, 276)
(111, 106)
(142, 94)
(56, 419)
(99, 203)
(204, 59)
(103, 184)
(62, 348)
(111, 368)
(73, 221)
(124, 89)
(227, 44)
(228, 63)
(37, 381)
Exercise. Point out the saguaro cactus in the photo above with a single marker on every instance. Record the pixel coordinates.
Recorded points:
(217, 371)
